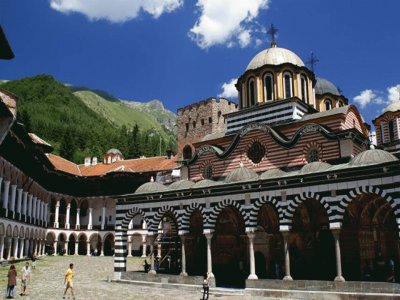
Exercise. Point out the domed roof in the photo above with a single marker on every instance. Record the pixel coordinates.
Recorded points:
(241, 174)
(395, 106)
(113, 151)
(206, 183)
(372, 156)
(324, 86)
(272, 173)
(274, 56)
(180, 185)
(316, 166)
(150, 187)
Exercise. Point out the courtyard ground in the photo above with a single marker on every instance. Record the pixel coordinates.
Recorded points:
(90, 281)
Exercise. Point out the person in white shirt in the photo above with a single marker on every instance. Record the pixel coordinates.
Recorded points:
(25, 276)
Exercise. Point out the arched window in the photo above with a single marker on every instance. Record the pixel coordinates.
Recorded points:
(251, 92)
(208, 171)
(304, 89)
(391, 130)
(268, 87)
(312, 155)
(340, 104)
(328, 104)
(287, 85)
(187, 152)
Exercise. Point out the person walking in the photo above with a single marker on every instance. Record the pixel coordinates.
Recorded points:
(33, 258)
(69, 275)
(206, 287)
(25, 277)
(12, 282)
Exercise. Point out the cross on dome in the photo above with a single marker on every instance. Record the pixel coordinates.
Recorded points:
(312, 61)
(272, 31)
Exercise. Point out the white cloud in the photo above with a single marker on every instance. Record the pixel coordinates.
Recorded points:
(393, 93)
(116, 10)
(365, 97)
(229, 90)
(378, 97)
(224, 22)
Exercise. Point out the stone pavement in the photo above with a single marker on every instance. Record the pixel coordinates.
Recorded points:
(90, 281)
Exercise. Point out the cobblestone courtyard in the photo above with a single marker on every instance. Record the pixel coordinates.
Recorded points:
(90, 281)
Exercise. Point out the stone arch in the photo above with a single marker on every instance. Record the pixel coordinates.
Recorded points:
(158, 216)
(257, 206)
(294, 203)
(185, 218)
(15, 232)
(130, 214)
(108, 244)
(2, 231)
(210, 223)
(22, 232)
(9, 231)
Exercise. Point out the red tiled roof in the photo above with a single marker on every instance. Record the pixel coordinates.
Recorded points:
(139, 165)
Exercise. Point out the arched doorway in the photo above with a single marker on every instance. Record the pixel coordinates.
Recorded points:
(368, 239)
(49, 247)
(71, 244)
(311, 243)
(196, 246)
(268, 244)
(109, 245)
(95, 244)
(229, 248)
(136, 245)
(82, 245)
(62, 240)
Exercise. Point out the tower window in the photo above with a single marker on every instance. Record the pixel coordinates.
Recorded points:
(391, 130)
(209, 120)
(187, 152)
(287, 81)
(202, 122)
(251, 92)
(268, 87)
(304, 89)
(187, 126)
(194, 124)
(328, 104)
(207, 171)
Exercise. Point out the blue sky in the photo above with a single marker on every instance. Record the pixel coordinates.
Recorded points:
(183, 51)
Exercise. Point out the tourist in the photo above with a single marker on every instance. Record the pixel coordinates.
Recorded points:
(146, 266)
(69, 275)
(206, 286)
(33, 259)
(11, 283)
(156, 264)
(25, 276)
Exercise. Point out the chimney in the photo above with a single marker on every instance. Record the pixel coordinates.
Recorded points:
(170, 154)
(94, 161)
(87, 161)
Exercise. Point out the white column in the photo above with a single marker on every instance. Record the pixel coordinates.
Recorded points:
(55, 248)
(287, 256)
(183, 272)
(90, 224)
(9, 248)
(151, 240)
(25, 204)
(88, 248)
(67, 225)
(29, 212)
(102, 249)
(13, 197)
(251, 254)
(15, 249)
(76, 247)
(41, 218)
(1, 247)
(336, 236)
(6, 195)
(19, 202)
(56, 224)
(78, 224)
(66, 247)
(46, 215)
(130, 241)
(103, 218)
(33, 212)
(144, 246)
(21, 247)
(209, 258)
(26, 247)
(38, 203)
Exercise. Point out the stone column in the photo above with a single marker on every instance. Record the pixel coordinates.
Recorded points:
(130, 241)
(103, 218)
(41, 218)
(90, 223)
(144, 246)
(6, 195)
(336, 236)
(287, 256)
(150, 240)
(25, 204)
(19, 203)
(56, 224)
(33, 211)
(13, 196)
(76, 247)
(67, 225)
(252, 275)
(88, 248)
(209, 258)
(46, 215)
(21, 247)
(15, 249)
(1, 247)
(26, 247)
(183, 238)
(78, 224)
(102, 249)
(38, 206)
(55, 248)
(66, 248)
(9, 248)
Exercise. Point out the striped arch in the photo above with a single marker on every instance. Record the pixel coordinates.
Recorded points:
(367, 190)
(212, 218)
(158, 216)
(185, 218)
(294, 203)
(257, 206)
(130, 214)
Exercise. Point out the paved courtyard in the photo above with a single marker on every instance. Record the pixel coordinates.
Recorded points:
(90, 280)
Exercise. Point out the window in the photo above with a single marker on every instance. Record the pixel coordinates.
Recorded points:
(194, 124)
(209, 120)
(202, 122)
(187, 126)
(256, 152)
(268, 87)
(187, 152)
(251, 92)
(304, 89)
(208, 171)
(287, 83)
(219, 115)
(109, 218)
(312, 155)
(340, 104)
(391, 130)
(328, 104)
(99, 218)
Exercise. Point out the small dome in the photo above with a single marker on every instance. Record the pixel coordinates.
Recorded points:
(324, 86)
(114, 151)
(150, 187)
(395, 106)
(315, 166)
(206, 183)
(241, 174)
(180, 185)
(370, 157)
(272, 173)
(274, 56)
